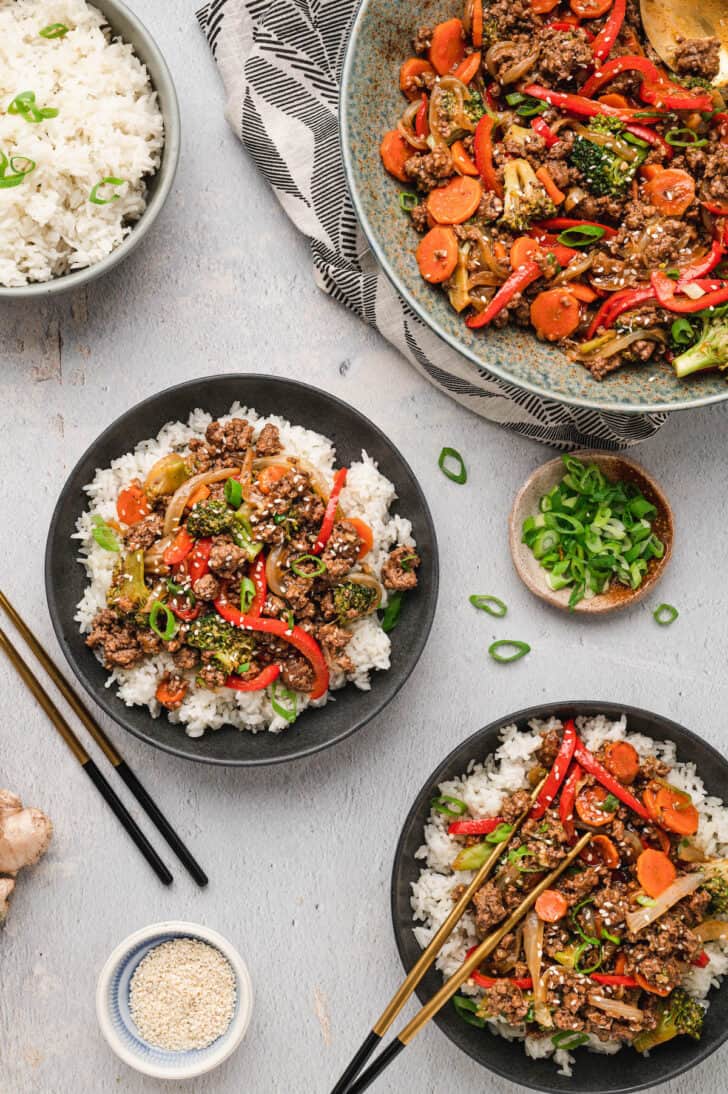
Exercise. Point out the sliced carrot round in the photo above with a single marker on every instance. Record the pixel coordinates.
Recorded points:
(522, 250)
(468, 69)
(395, 152)
(676, 812)
(365, 535)
(132, 504)
(447, 47)
(437, 254)
(582, 292)
(590, 806)
(542, 7)
(590, 9)
(555, 314)
(655, 872)
(601, 849)
(270, 475)
(462, 162)
(409, 71)
(551, 906)
(671, 191)
(456, 202)
(621, 759)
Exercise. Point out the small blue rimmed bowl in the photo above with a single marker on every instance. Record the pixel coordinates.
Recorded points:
(114, 1014)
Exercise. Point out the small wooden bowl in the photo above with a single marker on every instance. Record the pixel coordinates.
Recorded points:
(532, 573)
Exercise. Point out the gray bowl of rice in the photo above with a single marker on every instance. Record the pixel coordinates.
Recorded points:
(89, 141)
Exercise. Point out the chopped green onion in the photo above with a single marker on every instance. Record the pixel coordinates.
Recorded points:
(54, 30)
(611, 937)
(461, 475)
(319, 566)
(515, 97)
(674, 274)
(449, 806)
(520, 649)
(567, 1039)
(646, 901)
(104, 535)
(390, 619)
(290, 712)
(610, 804)
(24, 105)
(580, 235)
(684, 138)
(169, 629)
(467, 1009)
(665, 614)
(247, 594)
(174, 588)
(406, 562)
(407, 200)
(490, 604)
(19, 166)
(110, 180)
(500, 833)
(233, 493)
(581, 950)
(290, 620)
(531, 109)
(682, 332)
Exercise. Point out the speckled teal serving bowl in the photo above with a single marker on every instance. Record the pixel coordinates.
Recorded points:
(370, 104)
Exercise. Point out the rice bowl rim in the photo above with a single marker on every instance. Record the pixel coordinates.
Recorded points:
(712, 768)
(126, 25)
(183, 746)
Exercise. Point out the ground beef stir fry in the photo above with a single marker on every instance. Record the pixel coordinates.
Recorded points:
(238, 561)
(562, 178)
(604, 951)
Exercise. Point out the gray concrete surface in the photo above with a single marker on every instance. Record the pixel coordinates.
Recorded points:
(299, 856)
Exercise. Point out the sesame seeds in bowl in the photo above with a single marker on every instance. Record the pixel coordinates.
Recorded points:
(174, 1000)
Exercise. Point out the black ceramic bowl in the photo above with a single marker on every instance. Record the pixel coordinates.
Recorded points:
(350, 432)
(593, 1073)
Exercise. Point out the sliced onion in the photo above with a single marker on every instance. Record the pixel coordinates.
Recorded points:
(458, 294)
(406, 126)
(574, 196)
(533, 929)
(512, 72)
(575, 269)
(448, 86)
(177, 502)
(166, 475)
(680, 888)
(616, 1008)
(712, 930)
(153, 561)
(693, 291)
(688, 852)
(275, 566)
(607, 347)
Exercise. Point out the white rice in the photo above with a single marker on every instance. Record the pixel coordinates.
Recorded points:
(108, 125)
(367, 494)
(482, 787)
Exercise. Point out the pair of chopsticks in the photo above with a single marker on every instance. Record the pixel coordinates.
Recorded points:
(349, 1083)
(115, 759)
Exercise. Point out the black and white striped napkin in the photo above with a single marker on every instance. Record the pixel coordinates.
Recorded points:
(281, 63)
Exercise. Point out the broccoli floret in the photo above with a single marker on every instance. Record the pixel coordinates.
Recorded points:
(474, 106)
(491, 31)
(603, 171)
(231, 646)
(711, 349)
(702, 82)
(717, 886)
(128, 592)
(607, 123)
(525, 197)
(353, 600)
(679, 1014)
(209, 518)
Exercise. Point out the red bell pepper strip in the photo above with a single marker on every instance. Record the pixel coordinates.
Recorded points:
(628, 63)
(474, 827)
(198, 562)
(327, 525)
(578, 104)
(715, 209)
(559, 224)
(179, 548)
(591, 765)
(669, 96)
(556, 776)
(538, 125)
(702, 266)
(483, 152)
(519, 280)
(617, 980)
(701, 960)
(566, 24)
(550, 245)
(422, 127)
(716, 293)
(525, 983)
(185, 614)
(295, 636)
(567, 800)
(617, 303)
(604, 41)
(651, 137)
(261, 586)
(258, 683)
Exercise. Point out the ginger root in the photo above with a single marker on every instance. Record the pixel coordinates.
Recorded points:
(24, 837)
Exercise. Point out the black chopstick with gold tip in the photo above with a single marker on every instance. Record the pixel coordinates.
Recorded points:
(65, 731)
(468, 967)
(428, 956)
(84, 715)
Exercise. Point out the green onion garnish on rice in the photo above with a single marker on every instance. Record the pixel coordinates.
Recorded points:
(467, 1010)
(24, 105)
(665, 614)
(519, 650)
(110, 180)
(104, 535)
(289, 712)
(490, 604)
(460, 475)
(54, 30)
(14, 171)
(449, 806)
